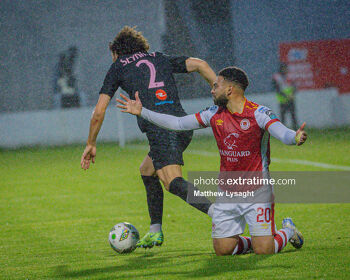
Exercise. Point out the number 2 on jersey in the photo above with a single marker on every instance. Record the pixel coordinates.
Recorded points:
(152, 69)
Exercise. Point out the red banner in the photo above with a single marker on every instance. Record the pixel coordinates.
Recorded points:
(318, 64)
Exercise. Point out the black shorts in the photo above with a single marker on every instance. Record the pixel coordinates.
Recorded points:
(166, 147)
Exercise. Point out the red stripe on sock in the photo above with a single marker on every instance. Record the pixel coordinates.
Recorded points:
(273, 219)
(279, 240)
(240, 246)
(249, 242)
(285, 236)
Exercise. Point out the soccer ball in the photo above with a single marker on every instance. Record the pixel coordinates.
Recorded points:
(123, 238)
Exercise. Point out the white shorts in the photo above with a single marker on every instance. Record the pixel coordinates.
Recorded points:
(229, 219)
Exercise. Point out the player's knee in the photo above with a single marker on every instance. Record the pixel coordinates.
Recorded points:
(223, 248)
(167, 180)
(223, 251)
(168, 173)
(261, 250)
(166, 183)
(146, 170)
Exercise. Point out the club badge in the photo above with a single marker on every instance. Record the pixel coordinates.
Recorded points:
(245, 124)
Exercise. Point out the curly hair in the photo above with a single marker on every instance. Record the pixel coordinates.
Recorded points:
(129, 41)
(235, 75)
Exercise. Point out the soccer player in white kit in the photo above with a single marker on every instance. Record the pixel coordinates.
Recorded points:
(250, 126)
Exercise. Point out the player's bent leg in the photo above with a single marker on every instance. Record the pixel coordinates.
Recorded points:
(168, 173)
(260, 218)
(228, 224)
(275, 243)
(271, 244)
(244, 246)
(171, 176)
(263, 245)
(155, 197)
(146, 167)
(225, 246)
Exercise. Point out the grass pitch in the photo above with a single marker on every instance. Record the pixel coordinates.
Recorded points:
(55, 217)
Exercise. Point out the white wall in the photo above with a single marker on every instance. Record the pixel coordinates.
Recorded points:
(318, 109)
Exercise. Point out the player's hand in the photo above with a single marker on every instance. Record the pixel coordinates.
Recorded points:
(133, 107)
(88, 154)
(301, 135)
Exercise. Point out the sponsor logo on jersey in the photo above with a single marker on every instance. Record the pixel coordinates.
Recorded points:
(230, 140)
(161, 94)
(270, 114)
(228, 153)
(219, 122)
(262, 109)
(213, 108)
(124, 235)
(245, 124)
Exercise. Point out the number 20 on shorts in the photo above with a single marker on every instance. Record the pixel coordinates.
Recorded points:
(264, 215)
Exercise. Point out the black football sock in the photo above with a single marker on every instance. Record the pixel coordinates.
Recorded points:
(155, 198)
(179, 187)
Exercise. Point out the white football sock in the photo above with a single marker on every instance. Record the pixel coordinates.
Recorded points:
(155, 228)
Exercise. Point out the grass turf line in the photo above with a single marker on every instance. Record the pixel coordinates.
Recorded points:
(55, 219)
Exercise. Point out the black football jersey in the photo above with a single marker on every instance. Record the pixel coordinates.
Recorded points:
(151, 74)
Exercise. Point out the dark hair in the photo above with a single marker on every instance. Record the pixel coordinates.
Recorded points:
(235, 75)
(129, 41)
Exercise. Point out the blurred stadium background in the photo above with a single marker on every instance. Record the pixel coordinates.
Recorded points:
(55, 218)
(35, 35)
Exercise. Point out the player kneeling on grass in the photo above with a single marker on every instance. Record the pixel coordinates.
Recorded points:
(253, 124)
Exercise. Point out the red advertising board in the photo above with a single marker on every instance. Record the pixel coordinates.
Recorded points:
(318, 64)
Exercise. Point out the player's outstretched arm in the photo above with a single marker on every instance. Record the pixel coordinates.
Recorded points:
(133, 107)
(286, 135)
(169, 122)
(203, 68)
(96, 121)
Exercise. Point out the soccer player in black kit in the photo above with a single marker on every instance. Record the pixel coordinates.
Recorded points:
(135, 69)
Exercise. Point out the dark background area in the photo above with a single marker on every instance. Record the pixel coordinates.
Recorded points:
(242, 33)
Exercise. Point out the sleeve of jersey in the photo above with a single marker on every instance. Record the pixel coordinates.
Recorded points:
(170, 122)
(111, 81)
(204, 117)
(282, 133)
(267, 120)
(178, 63)
(265, 117)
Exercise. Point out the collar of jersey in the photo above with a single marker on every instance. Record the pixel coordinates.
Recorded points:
(235, 113)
